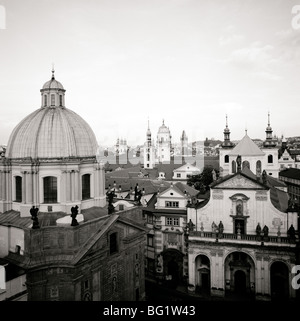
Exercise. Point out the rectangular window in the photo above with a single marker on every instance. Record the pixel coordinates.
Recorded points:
(149, 218)
(86, 190)
(113, 246)
(50, 189)
(172, 221)
(169, 221)
(150, 240)
(178, 175)
(18, 188)
(121, 207)
(60, 100)
(171, 204)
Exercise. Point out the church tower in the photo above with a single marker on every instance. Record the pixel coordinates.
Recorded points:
(270, 149)
(184, 145)
(164, 144)
(225, 149)
(149, 158)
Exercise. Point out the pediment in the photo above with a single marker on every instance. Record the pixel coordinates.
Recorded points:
(239, 182)
(171, 193)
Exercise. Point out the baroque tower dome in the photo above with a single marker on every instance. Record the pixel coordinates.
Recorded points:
(52, 131)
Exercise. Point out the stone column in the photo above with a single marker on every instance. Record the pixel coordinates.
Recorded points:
(29, 187)
(76, 186)
(258, 274)
(72, 185)
(266, 274)
(68, 186)
(24, 187)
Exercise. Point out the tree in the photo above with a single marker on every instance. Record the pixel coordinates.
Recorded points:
(202, 181)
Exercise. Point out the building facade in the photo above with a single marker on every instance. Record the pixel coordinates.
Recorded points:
(50, 164)
(255, 158)
(242, 241)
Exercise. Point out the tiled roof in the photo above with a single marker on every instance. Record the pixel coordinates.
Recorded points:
(246, 147)
(290, 173)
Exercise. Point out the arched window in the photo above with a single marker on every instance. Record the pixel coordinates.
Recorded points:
(86, 186)
(18, 181)
(270, 159)
(233, 165)
(258, 167)
(50, 189)
(148, 157)
(226, 159)
(45, 100)
(246, 164)
(60, 100)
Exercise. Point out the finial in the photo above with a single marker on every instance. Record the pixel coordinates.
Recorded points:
(226, 121)
(53, 71)
(268, 118)
(148, 123)
(163, 121)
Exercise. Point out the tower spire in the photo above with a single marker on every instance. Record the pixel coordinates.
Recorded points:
(268, 118)
(53, 71)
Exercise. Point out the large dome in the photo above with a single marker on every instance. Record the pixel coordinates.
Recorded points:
(52, 131)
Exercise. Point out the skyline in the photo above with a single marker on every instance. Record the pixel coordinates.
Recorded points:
(185, 61)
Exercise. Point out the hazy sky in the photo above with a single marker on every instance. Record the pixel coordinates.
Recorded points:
(186, 61)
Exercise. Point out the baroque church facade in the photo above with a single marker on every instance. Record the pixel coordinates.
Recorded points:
(243, 239)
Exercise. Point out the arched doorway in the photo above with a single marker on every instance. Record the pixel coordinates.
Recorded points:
(202, 277)
(239, 275)
(279, 275)
(173, 266)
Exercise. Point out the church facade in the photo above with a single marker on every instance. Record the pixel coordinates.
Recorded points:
(255, 158)
(242, 240)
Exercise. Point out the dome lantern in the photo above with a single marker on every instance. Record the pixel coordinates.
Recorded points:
(53, 93)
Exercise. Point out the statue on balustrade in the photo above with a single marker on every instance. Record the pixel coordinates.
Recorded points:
(34, 216)
(266, 230)
(221, 227)
(291, 232)
(190, 226)
(258, 229)
(214, 227)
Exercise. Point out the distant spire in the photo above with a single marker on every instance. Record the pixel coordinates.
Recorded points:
(268, 118)
(53, 71)
(148, 124)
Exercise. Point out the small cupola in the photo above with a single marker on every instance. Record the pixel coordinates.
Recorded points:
(53, 93)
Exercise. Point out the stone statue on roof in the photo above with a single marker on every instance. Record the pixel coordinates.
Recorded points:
(239, 163)
(34, 216)
(74, 211)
